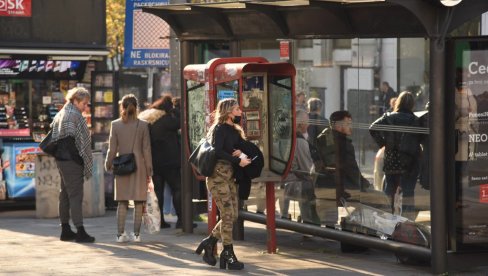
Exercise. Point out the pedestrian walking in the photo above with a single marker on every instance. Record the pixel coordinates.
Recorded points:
(226, 135)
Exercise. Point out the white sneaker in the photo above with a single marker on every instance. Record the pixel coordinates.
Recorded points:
(123, 237)
(135, 238)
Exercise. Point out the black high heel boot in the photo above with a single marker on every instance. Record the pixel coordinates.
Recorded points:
(228, 259)
(208, 244)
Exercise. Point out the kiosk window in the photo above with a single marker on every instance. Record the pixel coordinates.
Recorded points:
(196, 112)
(280, 105)
(227, 90)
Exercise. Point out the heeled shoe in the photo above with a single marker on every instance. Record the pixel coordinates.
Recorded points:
(228, 259)
(208, 245)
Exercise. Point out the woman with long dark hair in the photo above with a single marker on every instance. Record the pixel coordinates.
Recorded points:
(225, 134)
(164, 123)
(128, 134)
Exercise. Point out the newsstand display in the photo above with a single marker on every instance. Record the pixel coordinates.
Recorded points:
(31, 94)
(104, 103)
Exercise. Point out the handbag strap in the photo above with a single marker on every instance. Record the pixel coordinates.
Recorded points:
(135, 134)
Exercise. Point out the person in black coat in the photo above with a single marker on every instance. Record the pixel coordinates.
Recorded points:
(399, 133)
(386, 94)
(164, 123)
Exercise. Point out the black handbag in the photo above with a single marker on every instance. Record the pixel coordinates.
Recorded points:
(47, 145)
(125, 164)
(203, 158)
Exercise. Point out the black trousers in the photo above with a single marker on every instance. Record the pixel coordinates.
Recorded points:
(171, 176)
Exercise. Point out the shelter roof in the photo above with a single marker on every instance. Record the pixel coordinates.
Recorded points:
(295, 19)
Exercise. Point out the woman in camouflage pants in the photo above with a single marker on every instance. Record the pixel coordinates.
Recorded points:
(225, 134)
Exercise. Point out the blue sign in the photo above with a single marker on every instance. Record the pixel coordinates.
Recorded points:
(146, 36)
(224, 94)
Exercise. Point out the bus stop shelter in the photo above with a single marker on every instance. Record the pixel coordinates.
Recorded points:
(300, 19)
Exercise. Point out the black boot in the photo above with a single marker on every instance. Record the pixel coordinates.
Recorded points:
(208, 245)
(229, 260)
(66, 233)
(82, 236)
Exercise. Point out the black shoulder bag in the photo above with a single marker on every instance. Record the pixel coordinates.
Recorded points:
(125, 164)
(47, 145)
(203, 158)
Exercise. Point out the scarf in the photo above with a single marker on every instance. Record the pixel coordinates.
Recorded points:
(70, 122)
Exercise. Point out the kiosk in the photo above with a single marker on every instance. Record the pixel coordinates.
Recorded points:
(266, 93)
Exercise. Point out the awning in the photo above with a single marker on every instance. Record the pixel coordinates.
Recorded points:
(55, 54)
(297, 19)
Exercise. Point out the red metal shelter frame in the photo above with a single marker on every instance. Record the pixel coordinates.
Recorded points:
(222, 70)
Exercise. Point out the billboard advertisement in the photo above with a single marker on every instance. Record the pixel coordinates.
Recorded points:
(19, 168)
(146, 36)
(31, 69)
(471, 141)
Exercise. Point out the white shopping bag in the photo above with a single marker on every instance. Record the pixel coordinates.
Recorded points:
(152, 215)
(398, 201)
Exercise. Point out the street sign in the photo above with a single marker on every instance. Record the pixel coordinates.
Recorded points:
(146, 36)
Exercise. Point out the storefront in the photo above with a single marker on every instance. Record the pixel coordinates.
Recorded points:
(350, 56)
(47, 48)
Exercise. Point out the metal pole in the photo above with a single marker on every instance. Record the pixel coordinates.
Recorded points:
(186, 173)
(349, 237)
(437, 115)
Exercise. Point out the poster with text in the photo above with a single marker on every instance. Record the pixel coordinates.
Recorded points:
(471, 141)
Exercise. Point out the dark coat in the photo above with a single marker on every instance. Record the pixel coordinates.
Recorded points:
(337, 151)
(165, 143)
(398, 132)
(317, 124)
(245, 175)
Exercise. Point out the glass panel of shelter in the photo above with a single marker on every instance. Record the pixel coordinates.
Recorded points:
(353, 79)
(196, 112)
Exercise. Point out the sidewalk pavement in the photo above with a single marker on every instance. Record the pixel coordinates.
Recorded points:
(31, 246)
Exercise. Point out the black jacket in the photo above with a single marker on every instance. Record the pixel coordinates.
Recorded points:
(341, 156)
(67, 151)
(165, 143)
(245, 175)
(399, 133)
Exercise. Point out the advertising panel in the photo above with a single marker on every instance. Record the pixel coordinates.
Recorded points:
(471, 141)
(15, 8)
(30, 69)
(146, 36)
(19, 168)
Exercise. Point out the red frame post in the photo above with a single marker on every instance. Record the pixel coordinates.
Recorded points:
(270, 217)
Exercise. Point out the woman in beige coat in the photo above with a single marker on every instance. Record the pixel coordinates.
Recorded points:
(129, 134)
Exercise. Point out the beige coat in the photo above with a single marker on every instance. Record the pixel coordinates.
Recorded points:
(133, 186)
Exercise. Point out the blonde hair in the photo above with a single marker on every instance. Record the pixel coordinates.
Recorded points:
(221, 114)
(128, 107)
(77, 94)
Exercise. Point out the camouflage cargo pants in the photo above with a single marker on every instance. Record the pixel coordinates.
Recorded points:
(224, 191)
